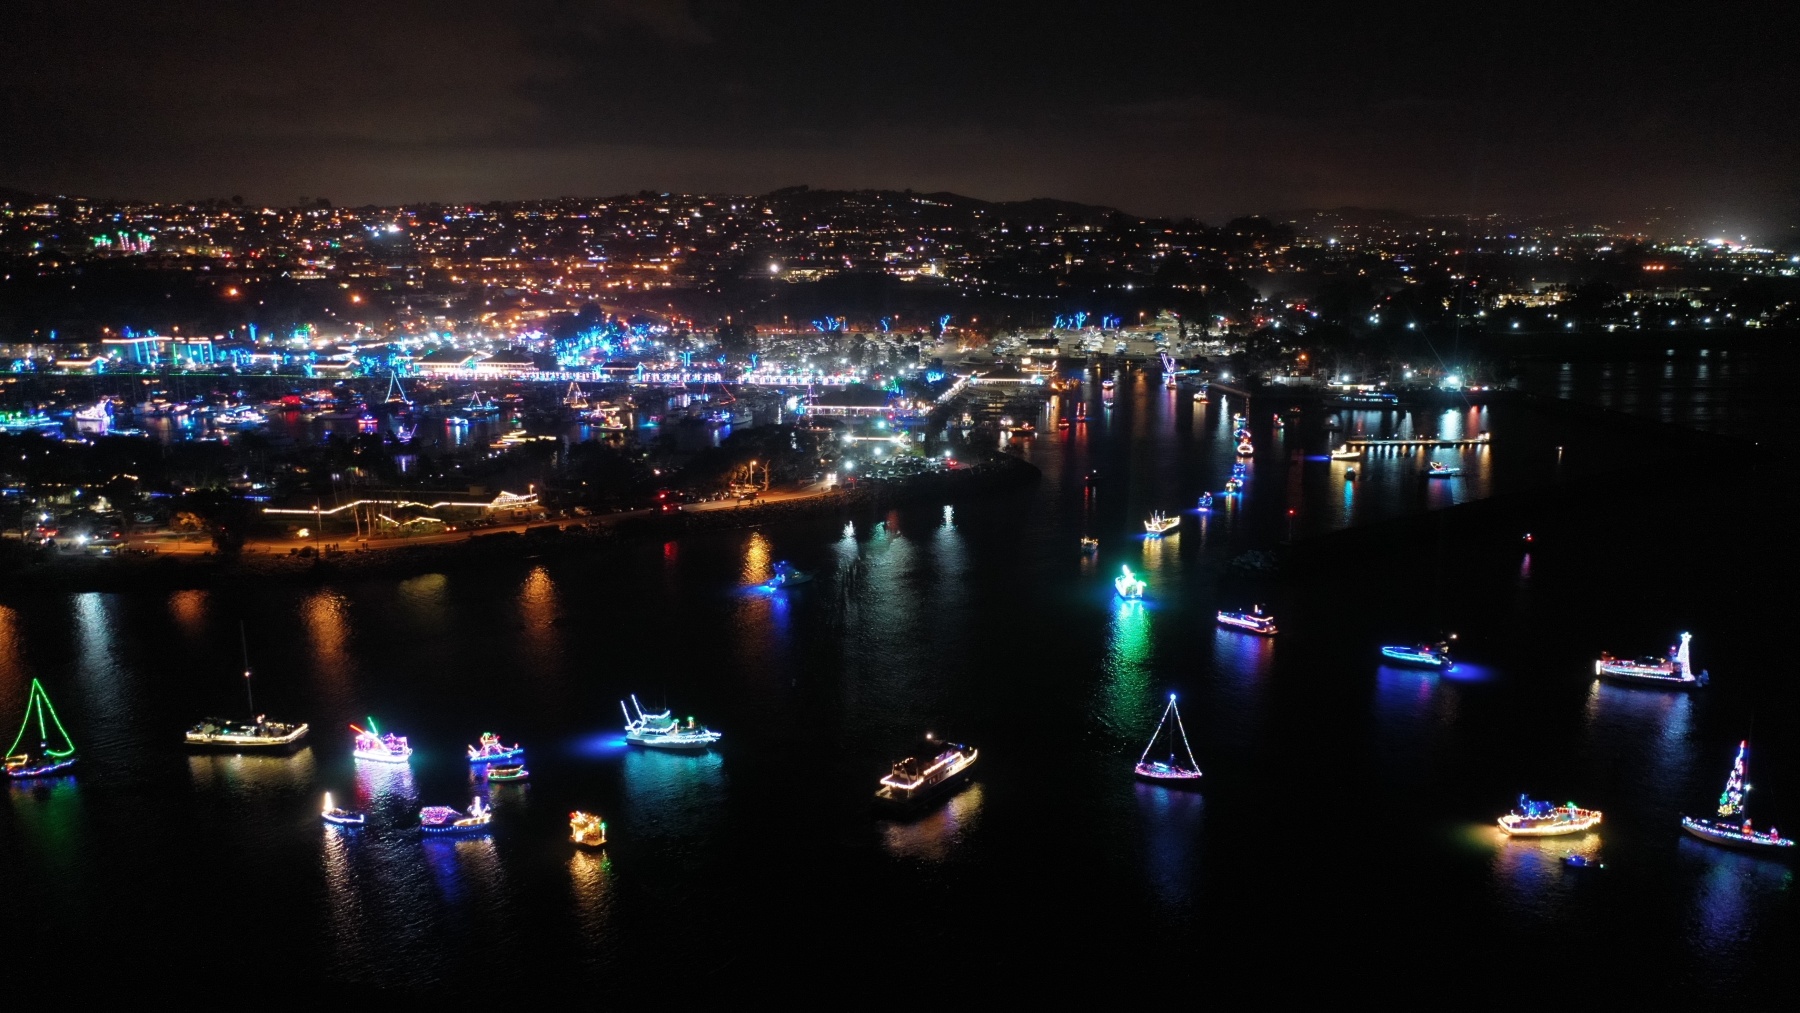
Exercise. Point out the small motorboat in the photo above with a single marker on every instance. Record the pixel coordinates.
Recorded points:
(512, 772)
(1349, 474)
(1205, 501)
(441, 819)
(1127, 584)
(1254, 621)
(586, 829)
(1160, 524)
(492, 749)
(1422, 655)
(340, 816)
(1438, 469)
(1280, 423)
(1245, 448)
(1344, 453)
(1574, 861)
(1090, 544)
(786, 576)
(1200, 397)
(1062, 423)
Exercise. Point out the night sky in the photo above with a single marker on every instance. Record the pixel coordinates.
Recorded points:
(1163, 108)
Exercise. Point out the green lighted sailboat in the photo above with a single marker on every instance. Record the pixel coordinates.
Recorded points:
(54, 753)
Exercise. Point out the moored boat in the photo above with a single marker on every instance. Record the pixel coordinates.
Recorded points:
(340, 816)
(441, 819)
(492, 749)
(663, 731)
(55, 752)
(586, 829)
(373, 745)
(1171, 771)
(1546, 819)
(915, 780)
(1731, 828)
(1253, 621)
(1676, 670)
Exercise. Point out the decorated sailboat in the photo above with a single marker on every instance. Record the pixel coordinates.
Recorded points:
(441, 819)
(491, 749)
(663, 731)
(55, 752)
(913, 780)
(1546, 819)
(1172, 770)
(586, 829)
(373, 745)
(1160, 524)
(340, 816)
(396, 394)
(1128, 585)
(259, 734)
(1732, 827)
(1675, 670)
(477, 405)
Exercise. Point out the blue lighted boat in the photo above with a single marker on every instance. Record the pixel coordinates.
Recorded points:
(1421, 655)
(786, 576)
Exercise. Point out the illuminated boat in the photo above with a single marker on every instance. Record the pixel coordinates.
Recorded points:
(1237, 419)
(1344, 453)
(21, 422)
(786, 576)
(586, 829)
(1421, 655)
(1081, 412)
(1170, 771)
(513, 772)
(492, 749)
(342, 817)
(663, 731)
(1106, 384)
(1062, 423)
(1245, 448)
(1159, 524)
(1200, 396)
(373, 745)
(1575, 861)
(1205, 501)
(441, 819)
(476, 405)
(51, 756)
(1253, 621)
(455, 421)
(1280, 423)
(1128, 585)
(1674, 670)
(1438, 469)
(1732, 827)
(1545, 819)
(1090, 544)
(913, 780)
(259, 734)
(100, 412)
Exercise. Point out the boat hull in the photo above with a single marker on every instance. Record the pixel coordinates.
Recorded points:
(247, 743)
(1414, 660)
(1247, 627)
(53, 769)
(1629, 677)
(682, 746)
(385, 757)
(346, 820)
(1169, 779)
(900, 802)
(1728, 839)
(1551, 830)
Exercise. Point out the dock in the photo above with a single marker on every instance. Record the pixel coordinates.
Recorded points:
(1416, 441)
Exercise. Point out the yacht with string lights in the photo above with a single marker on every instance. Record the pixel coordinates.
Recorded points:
(1127, 585)
(586, 829)
(492, 750)
(662, 730)
(1171, 771)
(1731, 828)
(915, 780)
(441, 819)
(259, 734)
(1546, 819)
(1675, 671)
(1254, 621)
(55, 752)
(1160, 524)
(372, 745)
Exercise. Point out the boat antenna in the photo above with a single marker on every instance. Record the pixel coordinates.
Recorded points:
(244, 644)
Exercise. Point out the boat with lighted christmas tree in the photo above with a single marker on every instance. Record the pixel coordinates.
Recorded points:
(913, 780)
(373, 745)
(1253, 621)
(1545, 819)
(1421, 655)
(663, 731)
(586, 829)
(1127, 585)
(340, 816)
(441, 819)
(492, 749)
(1731, 828)
(1675, 671)
(1171, 771)
(55, 752)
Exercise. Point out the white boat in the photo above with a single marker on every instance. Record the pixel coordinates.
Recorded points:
(663, 731)
(1159, 524)
(1245, 448)
(341, 816)
(1544, 819)
(1732, 827)
(1344, 453)
(912, 781)
(1676, 670)
(1438, 469)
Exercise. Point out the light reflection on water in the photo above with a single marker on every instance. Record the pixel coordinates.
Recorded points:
(240, 774)
(1129, 704)
(1528, 872)
(933, 836)
(1173, 821)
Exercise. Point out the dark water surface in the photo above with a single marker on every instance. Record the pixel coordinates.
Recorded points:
(1344, 836)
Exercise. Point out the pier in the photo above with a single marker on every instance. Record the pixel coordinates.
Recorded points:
(1410, 442)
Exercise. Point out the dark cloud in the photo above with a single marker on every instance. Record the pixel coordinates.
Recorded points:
(1166, 108)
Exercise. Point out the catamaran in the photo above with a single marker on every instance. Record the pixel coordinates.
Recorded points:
(913, 781)
(1545, 819)
(55, 753)
(1732, 826)
(491, 749)
(1128, 585)
(259, 733)
(663, 731)
(1675, 670)
(373, 745)
(1160, 524)
(1170, 771)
